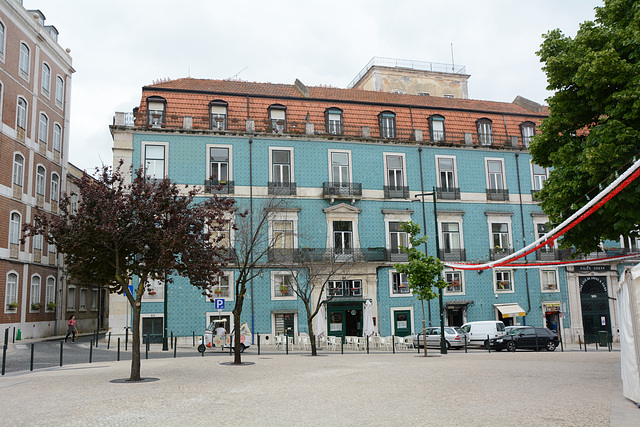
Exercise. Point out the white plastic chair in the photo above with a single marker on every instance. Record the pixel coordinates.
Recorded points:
(408, 343)
(279, 342)
(375, 342)
(385, 342)
(400, 345)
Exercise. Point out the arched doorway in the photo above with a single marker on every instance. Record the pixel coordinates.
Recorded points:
(595, 306)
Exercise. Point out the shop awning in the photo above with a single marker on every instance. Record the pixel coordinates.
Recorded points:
(510, 310)
(460, 302)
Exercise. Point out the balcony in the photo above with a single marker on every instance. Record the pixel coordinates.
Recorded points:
(497, 253)
(212, 186)
(448, 193)
(497, 195)
(547, 254)
(310, 255)
(395, 192)
(282, 188)
(342, 190)
(453, 255)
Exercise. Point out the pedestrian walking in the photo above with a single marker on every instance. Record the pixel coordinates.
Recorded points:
(71, 329)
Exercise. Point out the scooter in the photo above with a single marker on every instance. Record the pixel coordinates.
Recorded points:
(216, 336)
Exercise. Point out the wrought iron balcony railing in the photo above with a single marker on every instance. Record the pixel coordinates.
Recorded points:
(448, 193)
(395, 192)
(495, 194)
(342, 190)
(212, 186)
(453, 255)
(282, 188)
(497, 253)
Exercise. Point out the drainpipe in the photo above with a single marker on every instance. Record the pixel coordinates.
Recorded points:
(524, 238)
(424, 224)
(253, 328)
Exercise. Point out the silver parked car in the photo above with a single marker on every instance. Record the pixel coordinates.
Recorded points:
(454, 337)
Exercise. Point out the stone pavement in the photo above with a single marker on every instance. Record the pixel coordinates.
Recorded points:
(352, 389)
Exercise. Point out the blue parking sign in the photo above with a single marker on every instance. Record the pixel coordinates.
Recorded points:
(219, 303)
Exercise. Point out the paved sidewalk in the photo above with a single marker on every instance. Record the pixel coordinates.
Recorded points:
(354, 389)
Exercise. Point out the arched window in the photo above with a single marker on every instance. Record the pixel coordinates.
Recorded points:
(436, 125)
(485, 133)
(50, 296)
(57, 137)
(11, 292)
(21, 114)
(278, 118)
(2, 48)
(218, 114)
(40, 180)
(35, 292)
(527, 130)
(156, 107)
(24, 60)
(14, 229)
(59, 91)
(387, 120)
(18, 169)
(46, 79)
(43, 128)
(333, 117)
(55, 187)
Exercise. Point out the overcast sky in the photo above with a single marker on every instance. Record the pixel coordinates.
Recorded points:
(118, 46)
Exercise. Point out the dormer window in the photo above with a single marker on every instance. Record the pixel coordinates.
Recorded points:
(218, 114)
(278, 118)
(334, 121)
(436, 125)
(387, 120)
(527, 129)
(485, 133)
(156, 106)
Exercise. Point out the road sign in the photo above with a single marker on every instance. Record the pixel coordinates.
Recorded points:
(219, 303)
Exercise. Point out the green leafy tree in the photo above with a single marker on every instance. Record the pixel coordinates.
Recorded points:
(424, 273)
(594, 122)
(146, 230)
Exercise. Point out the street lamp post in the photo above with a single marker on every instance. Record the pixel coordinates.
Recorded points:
(165, 338)
(443, 341)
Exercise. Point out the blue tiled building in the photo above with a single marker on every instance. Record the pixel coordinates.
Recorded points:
(351, 165)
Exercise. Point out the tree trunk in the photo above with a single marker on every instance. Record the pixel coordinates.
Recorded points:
(312, 337)
(237, 311)
(135, 344)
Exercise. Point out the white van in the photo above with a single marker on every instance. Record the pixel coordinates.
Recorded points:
(480, 332)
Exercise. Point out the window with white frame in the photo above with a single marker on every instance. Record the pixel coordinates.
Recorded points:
(450, 236)
(344, 288)
(527, 130)
(18, 169)
(278, 118)
(395, 172)
(342, 237)
(74, 203)
(334, 121)
(399, 284)
(387, 121)
(397, 237)
(454, 281)
(539, 176)
(543, 229)
(500, 235)
(224, 287)
(549, 280)
(446, 173)
(46, 79)
(219, 164)
(57, 137)
(504, 282)
(40, 180)
(436, 125)
(281, 166)
(340, 172)
(37, 239)
(94, 299)
(485, 132)
(50, 293)
(83, 299)
(59, 91)
(25, 54)
(283, 234)
(2, 39)
(282, 285)
(55, 187)
(11, 291)
(71, 298)
(154, 156)
(495, 176)
(14, 229)
(218, 114)
(43, 128)
(34, 292)
(21, 114)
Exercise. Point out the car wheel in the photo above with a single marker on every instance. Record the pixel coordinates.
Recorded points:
(448, 345)
(550, 345)
(486, 344)
(201, 348)
(511, 346)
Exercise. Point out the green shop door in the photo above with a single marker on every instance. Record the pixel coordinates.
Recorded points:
(402, 322)
(345, 319)
(152, 326)
(595, 307)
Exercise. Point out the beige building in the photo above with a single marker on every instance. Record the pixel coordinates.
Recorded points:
(413, 78)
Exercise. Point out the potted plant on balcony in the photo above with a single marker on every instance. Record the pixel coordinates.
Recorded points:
(152, 291)
(217, 291)
(503, 284)
(13, 305)
(284, 289)
(35, 306)
(51, 306)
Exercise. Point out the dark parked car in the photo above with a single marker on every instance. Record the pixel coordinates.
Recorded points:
(526, 338)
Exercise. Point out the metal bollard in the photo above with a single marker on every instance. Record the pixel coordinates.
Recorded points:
(91, 351)
(585, 343)
(31, 363)
(61, 347)
(258, 344)
(118, 349)
(175, 345)
(4, 349)
(205, 347)
(536, 335)
(286, 343)
(194, 339)
(609, 342)
(488, 344)
(109, 341)
(367, 344)
(14, 335)
(171, 339)
(580, 342)
(466, 341)
(393, 343)
(342, 345)
(126, 338)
